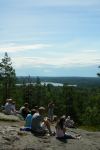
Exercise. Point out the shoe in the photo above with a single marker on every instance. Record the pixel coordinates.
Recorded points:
(78, 137)
(52, 133)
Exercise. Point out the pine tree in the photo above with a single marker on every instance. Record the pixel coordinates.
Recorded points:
(7, 74)
(98, 74)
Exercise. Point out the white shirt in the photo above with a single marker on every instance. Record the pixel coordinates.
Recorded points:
(8, 108)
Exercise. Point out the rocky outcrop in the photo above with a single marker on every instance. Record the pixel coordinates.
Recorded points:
(11, 138)
(4, 117)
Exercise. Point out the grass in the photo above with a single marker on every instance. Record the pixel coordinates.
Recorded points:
(90, 128)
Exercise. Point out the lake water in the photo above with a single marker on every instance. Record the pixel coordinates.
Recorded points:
(46, 83)
(54, 84)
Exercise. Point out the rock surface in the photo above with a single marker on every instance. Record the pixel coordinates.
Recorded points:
(9, 117)
(11, 138)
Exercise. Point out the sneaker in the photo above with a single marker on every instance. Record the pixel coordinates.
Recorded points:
(52, 133)
(78, 137)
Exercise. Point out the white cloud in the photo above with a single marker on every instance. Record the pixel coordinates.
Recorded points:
(12, 47)
(83, 58)
(52, 58)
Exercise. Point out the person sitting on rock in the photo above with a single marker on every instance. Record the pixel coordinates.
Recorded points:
(24, 110)
(28, 120)
(61, 130)
(14, 107)
(8, 108)
(40, 125)
(69, 122)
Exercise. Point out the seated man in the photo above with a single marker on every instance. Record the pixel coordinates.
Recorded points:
(24, 110)
(39, 123)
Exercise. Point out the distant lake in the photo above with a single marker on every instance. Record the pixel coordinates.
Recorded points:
(54, 84)
(46, 83)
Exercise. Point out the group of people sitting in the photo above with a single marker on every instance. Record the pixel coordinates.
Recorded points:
(37, 123)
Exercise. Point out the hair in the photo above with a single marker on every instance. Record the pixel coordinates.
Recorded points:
(26, 104)
(33, 111)
(60, 122)
(41, 110)
(36, 107)
(8, 100)
(13, 102)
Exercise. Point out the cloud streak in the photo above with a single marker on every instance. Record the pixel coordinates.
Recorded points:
(85, 58)
(11, 47)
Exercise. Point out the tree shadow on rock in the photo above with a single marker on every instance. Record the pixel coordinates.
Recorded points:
(62, 140)
(40, 135)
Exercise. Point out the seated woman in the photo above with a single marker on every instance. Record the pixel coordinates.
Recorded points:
(9, 107)
(61, 130)
(28, 120)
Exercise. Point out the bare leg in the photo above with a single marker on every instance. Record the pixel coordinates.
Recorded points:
(47, 123)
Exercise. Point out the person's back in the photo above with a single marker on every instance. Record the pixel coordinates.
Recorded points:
(14, 106)
(8, 108)
(24, 110)
(60, 128)
(69, 123)
(36, 121)
(40, 125)
(28, 119)
(20, 111)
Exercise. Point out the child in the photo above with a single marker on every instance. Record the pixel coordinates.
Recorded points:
(61, 130)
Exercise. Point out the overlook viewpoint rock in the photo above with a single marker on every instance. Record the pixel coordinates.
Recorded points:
(11, 138)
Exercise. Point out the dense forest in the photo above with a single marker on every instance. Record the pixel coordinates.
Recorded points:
(82, 102)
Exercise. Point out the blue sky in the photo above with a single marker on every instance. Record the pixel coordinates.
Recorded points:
(51, 37)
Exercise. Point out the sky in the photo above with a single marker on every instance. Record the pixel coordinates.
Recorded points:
(51, 37)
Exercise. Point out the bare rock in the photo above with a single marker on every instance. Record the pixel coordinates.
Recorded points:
(11, 138)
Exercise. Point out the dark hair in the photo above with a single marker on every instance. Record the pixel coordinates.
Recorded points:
(36, 107)
(33, 111)
(61, 121)
(26, 104)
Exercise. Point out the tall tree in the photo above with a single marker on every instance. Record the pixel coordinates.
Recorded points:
(8, 76)
(98, 74)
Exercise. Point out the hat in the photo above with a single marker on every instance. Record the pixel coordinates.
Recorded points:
(41, 108)
(63, 117)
